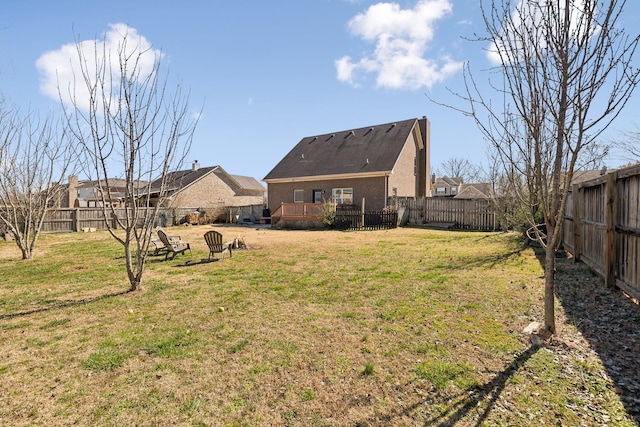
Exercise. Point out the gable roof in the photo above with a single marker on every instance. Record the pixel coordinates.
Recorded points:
(366, 150)
(480, 190)
(179, 180)
(248, 184)
(583, 176)
(446, 181)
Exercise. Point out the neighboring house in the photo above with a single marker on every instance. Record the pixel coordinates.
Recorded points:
(372, 163)
(204, 188)
(581, 176)
(445, 186)
(209, 188)
(479, 190)
(88, 194)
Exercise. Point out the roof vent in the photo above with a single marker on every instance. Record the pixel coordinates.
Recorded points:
(331, 136)
(314, 138)
(302, 156)
(392, 126)
(195, 166)
(367, 160)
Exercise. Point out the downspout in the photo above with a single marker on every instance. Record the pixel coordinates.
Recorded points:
(386, 189)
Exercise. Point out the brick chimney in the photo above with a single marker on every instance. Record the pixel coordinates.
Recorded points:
(72, 191)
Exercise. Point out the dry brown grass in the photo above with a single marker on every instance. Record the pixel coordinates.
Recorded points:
(399, 327)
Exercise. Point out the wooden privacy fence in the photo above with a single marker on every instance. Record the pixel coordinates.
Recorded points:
(465, 214)
(68, 220)
(602, 227)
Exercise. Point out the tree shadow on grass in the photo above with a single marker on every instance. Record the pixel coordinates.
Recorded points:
(609, 321)
(57, 305)
(191, 263)
(487, 394)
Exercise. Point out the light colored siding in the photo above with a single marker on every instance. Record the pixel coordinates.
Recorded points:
(403, 177)
(211, 192)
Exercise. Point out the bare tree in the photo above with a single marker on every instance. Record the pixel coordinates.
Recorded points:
(131, 128)
(34, 160)
(565, 72)
(459, 167)
(630, 146)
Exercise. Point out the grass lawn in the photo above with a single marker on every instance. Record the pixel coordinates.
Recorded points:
(310, 328)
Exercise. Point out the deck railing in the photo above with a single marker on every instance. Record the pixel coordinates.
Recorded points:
(297, 212)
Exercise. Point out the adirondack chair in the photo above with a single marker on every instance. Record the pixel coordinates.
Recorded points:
(159, 247)
(174, 245)
(214, 242)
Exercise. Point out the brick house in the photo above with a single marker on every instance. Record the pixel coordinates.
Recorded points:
(205, 188)
(88, 194)
(446, 186)
(457, 189)
(210, 188)
(476, 190)
(372, 163)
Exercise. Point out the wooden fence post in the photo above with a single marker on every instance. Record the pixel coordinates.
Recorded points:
(577, 223)
(611, 200)
(76, 220)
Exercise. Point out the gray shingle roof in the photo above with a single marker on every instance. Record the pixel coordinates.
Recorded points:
(248, 183)
(481, 190)
(178, 180)
(368, 149)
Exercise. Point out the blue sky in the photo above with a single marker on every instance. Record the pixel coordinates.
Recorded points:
(268, 73)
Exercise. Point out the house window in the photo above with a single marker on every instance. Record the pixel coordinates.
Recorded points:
(342, 196)
(317, 196)
(441, 191)
(454, 190)
(298, 196)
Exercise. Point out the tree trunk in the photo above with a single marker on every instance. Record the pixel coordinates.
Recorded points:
(134, 285)
(134, 275)
(549, 288)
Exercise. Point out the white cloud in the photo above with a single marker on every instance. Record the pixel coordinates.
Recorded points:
(402, 37)
(61, 68)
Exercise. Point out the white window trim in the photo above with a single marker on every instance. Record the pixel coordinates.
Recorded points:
(337, 195)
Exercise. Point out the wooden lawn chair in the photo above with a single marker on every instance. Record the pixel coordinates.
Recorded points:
(214, 242)
(174, 245)
(159, 247)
